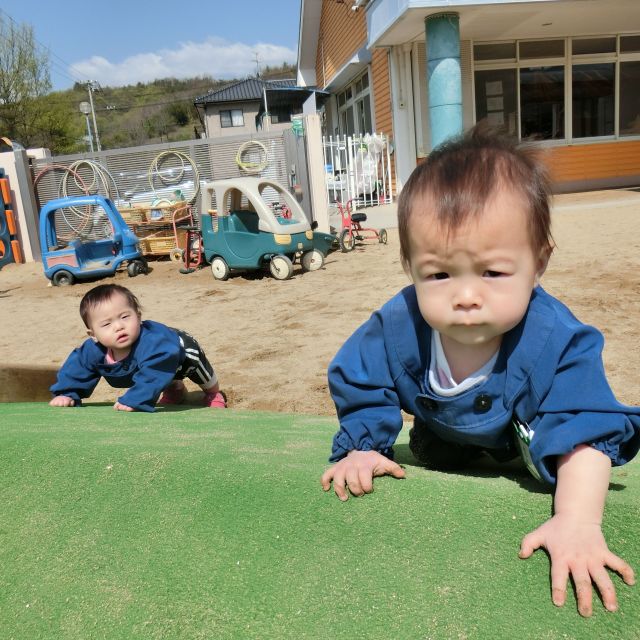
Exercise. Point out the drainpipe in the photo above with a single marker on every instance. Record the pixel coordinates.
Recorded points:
(444, 77)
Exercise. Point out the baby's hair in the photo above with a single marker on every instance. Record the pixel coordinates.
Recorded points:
(455, 181)
(103, 293)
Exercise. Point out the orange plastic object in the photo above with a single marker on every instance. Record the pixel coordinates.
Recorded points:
(11, 222)
(3, 249)
(17, 252)
(6, 191)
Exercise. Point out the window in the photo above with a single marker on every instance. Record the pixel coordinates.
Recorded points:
(629, 98)
(541, 49)
(560, 89)
(593, 88)
(354, 107)
(280, 114)
(231, 118)
(542, 103)
(497, 98)
(495, 51)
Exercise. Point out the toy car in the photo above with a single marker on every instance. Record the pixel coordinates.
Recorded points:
(85, 237)
(256, 223)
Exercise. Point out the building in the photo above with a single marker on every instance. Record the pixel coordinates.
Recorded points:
(564, 73)
(251, 105)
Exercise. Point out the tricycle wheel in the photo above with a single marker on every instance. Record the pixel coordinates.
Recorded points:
(62, 278)
(281, 267)
(220, 269)
(312, 260)
(136, 268)
(176, 255)
(382, 236)
(347, 241)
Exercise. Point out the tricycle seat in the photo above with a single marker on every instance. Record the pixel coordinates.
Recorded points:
(358, 217)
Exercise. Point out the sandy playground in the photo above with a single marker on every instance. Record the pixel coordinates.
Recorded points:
(271, 341)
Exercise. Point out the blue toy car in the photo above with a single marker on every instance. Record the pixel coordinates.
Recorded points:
(257, 223)
(83, 237)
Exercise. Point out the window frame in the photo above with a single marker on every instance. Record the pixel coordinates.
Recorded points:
(230, 114)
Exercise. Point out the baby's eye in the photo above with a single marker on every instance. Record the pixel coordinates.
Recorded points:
(106, 324)
(493, 274)
(441, 275)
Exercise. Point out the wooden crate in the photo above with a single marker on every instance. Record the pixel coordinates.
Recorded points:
(159, 240)
(157, 245)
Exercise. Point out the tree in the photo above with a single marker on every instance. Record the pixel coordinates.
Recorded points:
(24, 77)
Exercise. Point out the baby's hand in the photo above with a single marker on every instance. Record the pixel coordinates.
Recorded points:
(118, 406)
(356, 472)
(62, 401)
(578, 549)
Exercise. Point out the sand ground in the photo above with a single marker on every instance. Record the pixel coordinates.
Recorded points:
(271, 341)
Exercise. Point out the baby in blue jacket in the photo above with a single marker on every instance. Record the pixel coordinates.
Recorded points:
(485, 359)
(145, 357)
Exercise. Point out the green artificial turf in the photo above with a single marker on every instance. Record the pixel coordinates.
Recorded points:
(211, 524)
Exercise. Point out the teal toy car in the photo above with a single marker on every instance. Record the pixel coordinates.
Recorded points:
(254, 223)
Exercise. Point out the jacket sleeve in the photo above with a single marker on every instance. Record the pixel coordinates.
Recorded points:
(77, 378)
(362, 387)
(580, 408)
(158, 362)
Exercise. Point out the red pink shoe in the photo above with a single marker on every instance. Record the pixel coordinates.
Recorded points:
(215, 400)
(175, 393)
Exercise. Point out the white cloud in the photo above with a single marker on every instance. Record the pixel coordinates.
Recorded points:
(215, 57)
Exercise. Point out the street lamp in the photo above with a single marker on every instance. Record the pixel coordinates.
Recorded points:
(85, 108)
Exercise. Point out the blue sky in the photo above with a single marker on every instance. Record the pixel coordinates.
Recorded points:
(119, 42)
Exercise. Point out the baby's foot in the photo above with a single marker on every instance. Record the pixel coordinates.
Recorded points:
(214, 399)
(175, 393)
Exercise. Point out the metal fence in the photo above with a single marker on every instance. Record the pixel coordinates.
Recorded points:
(358, 168)
(161, 173)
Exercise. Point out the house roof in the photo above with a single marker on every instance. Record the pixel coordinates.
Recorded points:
(243, 91)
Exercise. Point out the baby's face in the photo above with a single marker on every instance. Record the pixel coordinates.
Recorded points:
(115, 325)
(475, 285)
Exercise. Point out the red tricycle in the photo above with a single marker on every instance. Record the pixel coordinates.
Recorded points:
(352, 230)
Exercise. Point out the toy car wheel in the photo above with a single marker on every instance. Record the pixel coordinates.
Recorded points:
(220, 269)
(176, 255)
(136, 268)
(382, 236)
(62, 278)
(281, 267)
(347, 241)
(312, 260)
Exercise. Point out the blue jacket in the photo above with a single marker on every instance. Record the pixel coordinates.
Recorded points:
(150, 367)
(549, 373)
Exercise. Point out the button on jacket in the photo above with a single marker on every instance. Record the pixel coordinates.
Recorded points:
(150, 366)
(549, 373)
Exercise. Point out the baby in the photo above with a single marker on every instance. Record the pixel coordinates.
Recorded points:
(145, 357)
(485, 359)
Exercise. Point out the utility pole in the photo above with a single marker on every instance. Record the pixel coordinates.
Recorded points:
(85, 108)
(91, 86)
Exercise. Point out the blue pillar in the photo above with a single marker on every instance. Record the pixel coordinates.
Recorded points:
(444, 78)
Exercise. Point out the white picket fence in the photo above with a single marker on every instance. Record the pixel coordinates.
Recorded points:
(358, 168)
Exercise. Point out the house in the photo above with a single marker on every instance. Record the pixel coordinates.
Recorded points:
(563, 73)
(251, 105)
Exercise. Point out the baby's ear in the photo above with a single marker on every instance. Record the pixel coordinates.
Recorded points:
(91, 335)
(543, 261)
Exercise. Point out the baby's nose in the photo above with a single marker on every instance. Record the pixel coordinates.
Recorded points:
(467, 297)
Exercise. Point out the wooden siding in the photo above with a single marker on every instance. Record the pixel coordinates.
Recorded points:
(342, 33)
(381, 88)
(595, 161)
